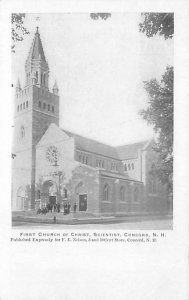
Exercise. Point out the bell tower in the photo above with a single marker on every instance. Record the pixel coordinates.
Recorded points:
(35, 108)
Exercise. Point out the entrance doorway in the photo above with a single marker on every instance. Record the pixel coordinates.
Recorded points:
(83, 202)
(49, 193)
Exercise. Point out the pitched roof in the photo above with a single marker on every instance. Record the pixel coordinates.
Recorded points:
(89, 145)
(130, 151)
(36, 50)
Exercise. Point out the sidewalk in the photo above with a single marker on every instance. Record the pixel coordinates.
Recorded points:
(80, 218)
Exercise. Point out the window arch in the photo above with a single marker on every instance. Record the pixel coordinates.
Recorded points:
(106, 193)
(122, 193)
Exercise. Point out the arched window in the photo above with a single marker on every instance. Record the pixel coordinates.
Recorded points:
(125, 167)
(48, 107)
(44, 105)
(86, 160)
(132, 165)
(26, 104)
(52, 108)
(44, 79)
(122, 193)
(135, 194)
(39, 104)
(152, 185)
(129, 167)
(102, 164)
(20, 106)
(83, 159)
(36, 75)
(106, 193)
(41, 78)
(96, 162)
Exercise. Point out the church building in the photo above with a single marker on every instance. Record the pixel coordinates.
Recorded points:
(53, 165)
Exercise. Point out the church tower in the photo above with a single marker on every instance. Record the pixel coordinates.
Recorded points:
(35, 108)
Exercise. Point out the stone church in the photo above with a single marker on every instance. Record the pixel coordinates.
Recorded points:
(52, 165)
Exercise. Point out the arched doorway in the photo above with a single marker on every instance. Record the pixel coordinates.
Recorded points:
(82, 197)
(49, 193)
(20, 200)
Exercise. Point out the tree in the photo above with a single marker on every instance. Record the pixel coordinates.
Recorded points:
(103, 16)
(160, 114)
(160, 110)
(18, 30)
(162, 23)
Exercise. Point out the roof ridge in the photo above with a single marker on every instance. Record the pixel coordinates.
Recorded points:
(91, 139)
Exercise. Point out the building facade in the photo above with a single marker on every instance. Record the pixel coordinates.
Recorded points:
(52, 165)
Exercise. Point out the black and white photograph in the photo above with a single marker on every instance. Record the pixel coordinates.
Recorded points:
(93, 120)
(94, 150)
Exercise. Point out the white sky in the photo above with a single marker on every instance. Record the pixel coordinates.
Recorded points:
(100, 67)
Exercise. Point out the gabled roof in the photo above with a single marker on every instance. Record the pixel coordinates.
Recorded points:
(89, 145)
(130, 151)
(36, 50)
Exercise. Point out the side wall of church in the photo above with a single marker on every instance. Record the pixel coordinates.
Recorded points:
(124, 197)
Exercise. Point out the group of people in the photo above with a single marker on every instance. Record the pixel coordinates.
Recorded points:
(56, 208)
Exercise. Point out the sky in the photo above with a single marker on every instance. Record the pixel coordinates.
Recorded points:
(100, 67)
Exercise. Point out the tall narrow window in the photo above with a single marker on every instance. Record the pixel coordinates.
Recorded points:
(122, 193)
(135, 194)
(48, 107)
(44, 105)
(36, 75)
(125, 167)
(41, 78)
(106, 193)
(26, 104)
(20, 106)
(52, 108)
(39, 104)
(132, 165)
(129, 167)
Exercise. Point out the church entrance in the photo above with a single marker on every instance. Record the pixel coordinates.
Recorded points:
(22, 202)
(49, 193)
(83, 202)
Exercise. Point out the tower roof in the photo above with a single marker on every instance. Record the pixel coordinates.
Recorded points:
(18, 86)
(36, 50)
